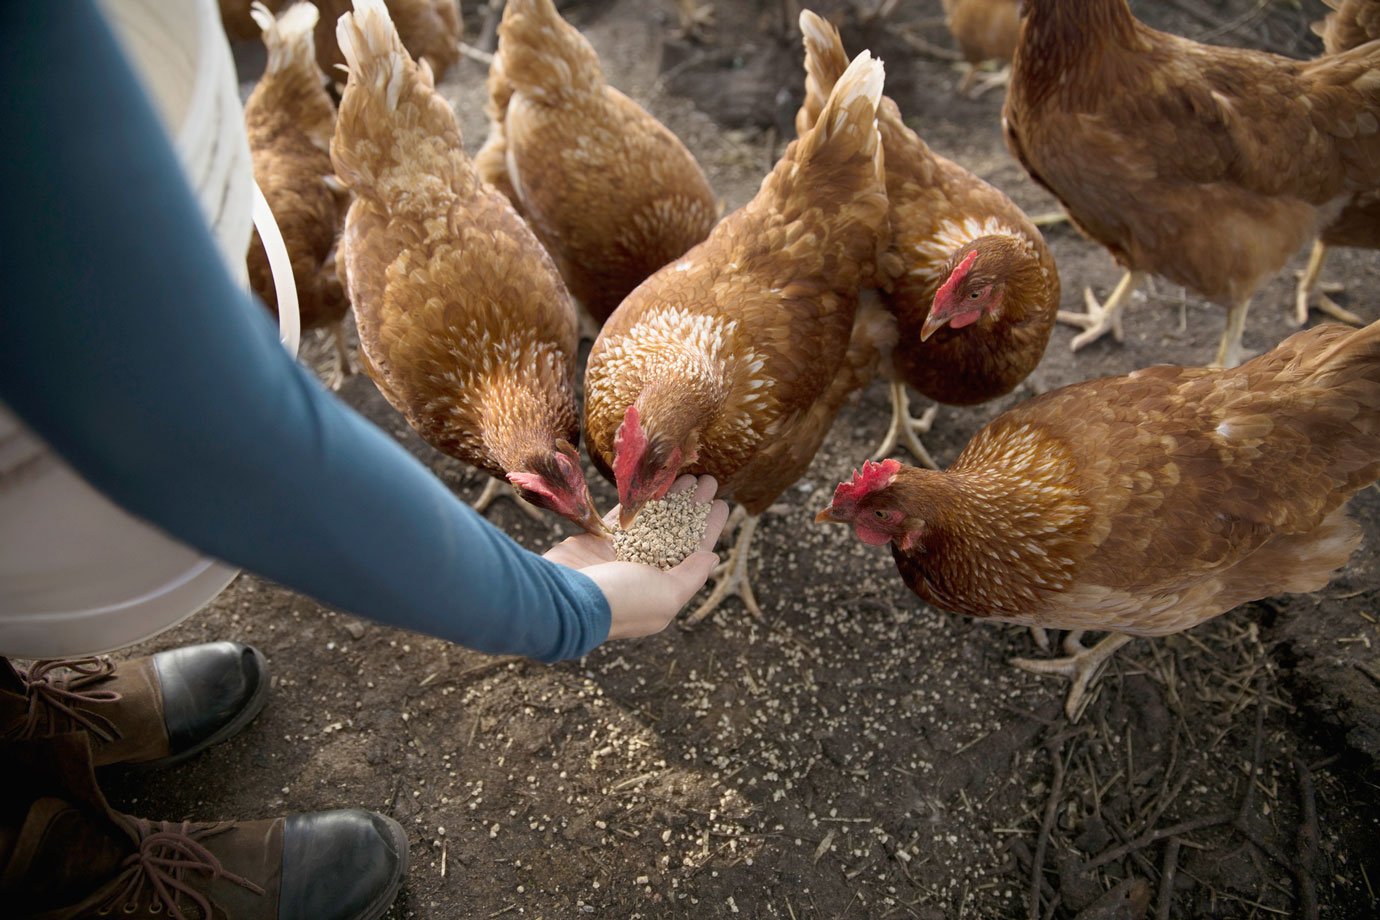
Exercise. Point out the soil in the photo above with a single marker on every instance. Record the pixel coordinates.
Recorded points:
(855, 753)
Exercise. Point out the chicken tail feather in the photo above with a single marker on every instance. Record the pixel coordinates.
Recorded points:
(393, 125)
(825, 63)
(543, 56)
(290, 39)
(847, 125)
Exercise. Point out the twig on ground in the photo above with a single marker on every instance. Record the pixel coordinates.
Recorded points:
(1037, 862)
(1167, 870)
(1307, 841)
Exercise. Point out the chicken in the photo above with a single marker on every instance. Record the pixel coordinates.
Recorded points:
(289, 119)
(611, 192)
(968, 277)
(464, 324)
(1210, 166)
(430, 31)
(1144, 504)
(986, 30)
(1351, 24)
(734, 360)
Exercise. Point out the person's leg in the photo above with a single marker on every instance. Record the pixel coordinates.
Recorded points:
(64, 853)
(149, 711)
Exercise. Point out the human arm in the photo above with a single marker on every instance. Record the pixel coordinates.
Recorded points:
(128, 347)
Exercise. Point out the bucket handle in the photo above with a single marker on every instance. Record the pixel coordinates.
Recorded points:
(289, 319)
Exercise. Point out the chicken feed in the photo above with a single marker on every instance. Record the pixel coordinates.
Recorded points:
(664, 533)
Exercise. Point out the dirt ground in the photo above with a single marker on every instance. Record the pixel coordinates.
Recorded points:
(856, 754)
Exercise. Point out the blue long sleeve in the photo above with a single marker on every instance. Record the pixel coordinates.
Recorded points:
(128, 347)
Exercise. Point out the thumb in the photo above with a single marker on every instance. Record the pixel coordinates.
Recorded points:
(692, 573)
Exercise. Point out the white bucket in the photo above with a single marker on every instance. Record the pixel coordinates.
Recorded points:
(78, 575)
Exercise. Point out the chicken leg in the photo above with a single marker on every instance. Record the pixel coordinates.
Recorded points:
(907, 427)
(733, 572)
(1102, 318)
(1308, 285)
(1081, 667)
(497, 488)
(1229, 351)
(343, 368)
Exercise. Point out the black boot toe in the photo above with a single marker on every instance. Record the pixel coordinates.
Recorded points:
(341, 865)
(209, 693)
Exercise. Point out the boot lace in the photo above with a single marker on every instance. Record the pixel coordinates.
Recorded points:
(167, 852)
(52, 696)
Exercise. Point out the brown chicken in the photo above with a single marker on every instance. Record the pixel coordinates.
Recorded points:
(290, 119)
(734, 360)
(464, 324)
(968, 277)
(611, 192)
(1143, 504)
(1351, 24)
(1210, 166)
(986, 30)
(430, 31)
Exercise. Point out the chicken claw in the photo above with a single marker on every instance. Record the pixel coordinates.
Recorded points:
(732, 573)
(1081, 667)
(496, 488)
(1308, 285)
(694, 18)
(1102, 318)
(907, 427)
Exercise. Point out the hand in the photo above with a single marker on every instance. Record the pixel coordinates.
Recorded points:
(642, 598)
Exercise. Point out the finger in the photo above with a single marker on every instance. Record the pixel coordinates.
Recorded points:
(611, 519)
(706, 488)
(682, 484)
(714, 525)
(691, 574)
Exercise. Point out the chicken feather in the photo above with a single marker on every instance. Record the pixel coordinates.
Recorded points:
(734, 360)
(289, 119)
(940, 215)
(612, 193)
(464, 323)
(1144, 504)
(1210, 166)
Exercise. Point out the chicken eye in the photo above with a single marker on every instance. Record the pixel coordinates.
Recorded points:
(974, 295)
(880, 514)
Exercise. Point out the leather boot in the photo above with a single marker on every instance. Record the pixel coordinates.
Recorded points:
(150, 711)
(65, 854)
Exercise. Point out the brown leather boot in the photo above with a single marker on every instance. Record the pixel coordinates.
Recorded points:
(65, 854)
(150, 711)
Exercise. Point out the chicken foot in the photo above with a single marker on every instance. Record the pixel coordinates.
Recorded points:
(1308, 285)
(1081, 666)
(732, 574)
(1105, 317)
(497, 488)
(694, 18)
(906, 427)
(986, 81)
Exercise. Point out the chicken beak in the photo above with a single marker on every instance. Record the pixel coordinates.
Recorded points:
(827, 517)
(932, 325)
(628, 513)
(592, 523)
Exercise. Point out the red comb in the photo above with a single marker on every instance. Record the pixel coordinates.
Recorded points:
(946, 289)
(872, 476)
(629, 444)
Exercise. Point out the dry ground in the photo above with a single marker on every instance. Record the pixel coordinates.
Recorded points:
(857, 754)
